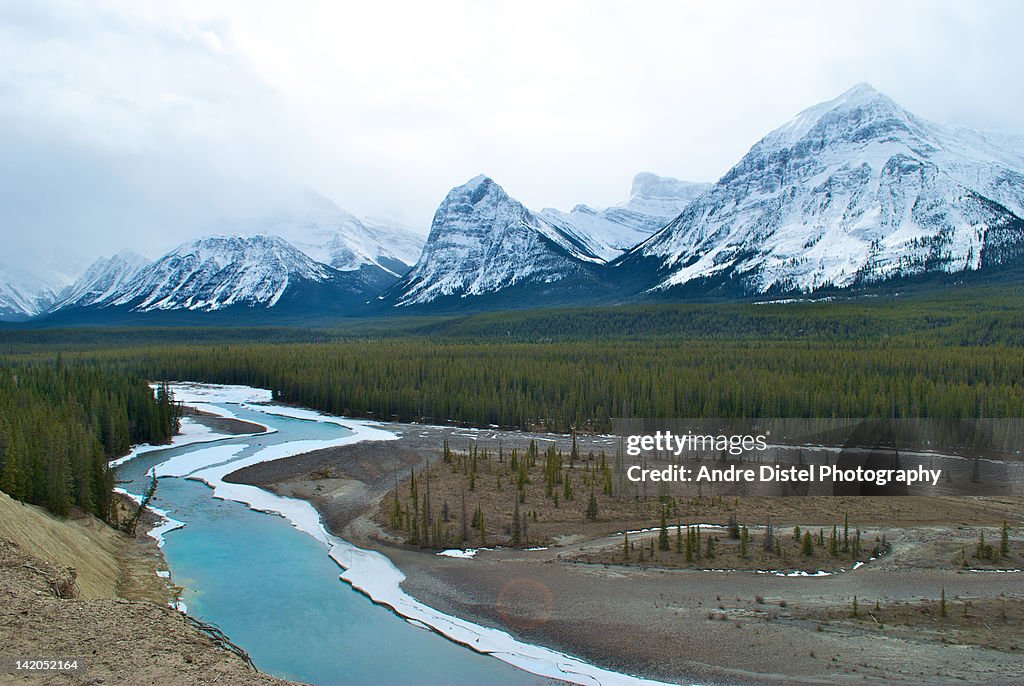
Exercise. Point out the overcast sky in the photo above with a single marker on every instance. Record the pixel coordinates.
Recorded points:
(142, 124)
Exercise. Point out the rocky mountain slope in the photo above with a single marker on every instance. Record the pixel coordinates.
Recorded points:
(855, 190)
(482, 241)
(217, 273)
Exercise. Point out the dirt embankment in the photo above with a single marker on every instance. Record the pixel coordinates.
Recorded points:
(44, 616)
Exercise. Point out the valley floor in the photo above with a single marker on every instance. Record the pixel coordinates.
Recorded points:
(692, 625)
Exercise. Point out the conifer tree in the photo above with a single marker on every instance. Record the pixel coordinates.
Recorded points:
(465, 529)
(516, 532)
(592, 508)
(481, 527)
(807, 547)
(846, 532)
(663, 532)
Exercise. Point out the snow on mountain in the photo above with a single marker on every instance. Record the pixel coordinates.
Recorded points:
(337, 238)
(21, 301)
(483, 241)
(853, 190)
(102, 281)
(30, 288)
(204, 275)
(653, 203)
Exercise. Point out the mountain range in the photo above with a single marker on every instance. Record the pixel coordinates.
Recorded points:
(851, 193)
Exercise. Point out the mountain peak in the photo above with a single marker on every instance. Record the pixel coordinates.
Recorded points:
(862, 106)
(482, 241)
(476, 189)
(651, 186)
(477, 180)
(860, 91)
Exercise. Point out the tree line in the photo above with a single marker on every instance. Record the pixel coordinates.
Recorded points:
(582, 385)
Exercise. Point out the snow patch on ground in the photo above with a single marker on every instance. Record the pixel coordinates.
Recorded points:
(462, 554)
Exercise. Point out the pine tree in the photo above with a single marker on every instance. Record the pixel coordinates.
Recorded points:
(846, 532)
(733, 526)
(516, 532)
(481, 527)
(769, 536)
(744, 541)
(663, 533)
(465, 529)
(592, 508)
(807, 548)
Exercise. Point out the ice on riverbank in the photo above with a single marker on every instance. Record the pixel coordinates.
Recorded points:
(183, 465)
(189, 433)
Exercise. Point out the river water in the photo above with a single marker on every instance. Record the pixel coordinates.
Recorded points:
(274, 590)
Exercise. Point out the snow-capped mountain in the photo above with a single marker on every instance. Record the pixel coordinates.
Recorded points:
(330, 235)
(18, 300)
(482, 241)
(102, 281)
(654, 201)
(30, 288)
(854, 190)
(218, 273)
